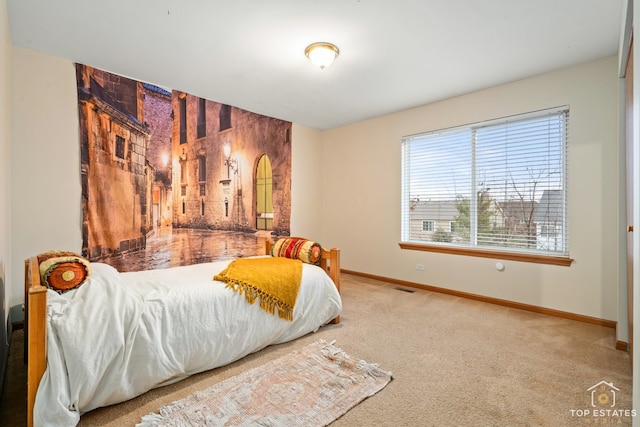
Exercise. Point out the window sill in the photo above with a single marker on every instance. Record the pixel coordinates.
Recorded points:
(511, 256)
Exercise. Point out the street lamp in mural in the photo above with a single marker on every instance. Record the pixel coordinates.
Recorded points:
(232, 165)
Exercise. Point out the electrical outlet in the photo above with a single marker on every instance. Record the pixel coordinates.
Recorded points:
(420, 267)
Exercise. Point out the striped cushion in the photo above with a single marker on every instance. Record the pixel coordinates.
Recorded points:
(298, 248)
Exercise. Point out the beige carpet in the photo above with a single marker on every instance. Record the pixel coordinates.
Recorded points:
(456, 362)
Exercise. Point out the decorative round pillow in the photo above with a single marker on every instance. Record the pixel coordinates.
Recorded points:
(62, 271)
(297, 248)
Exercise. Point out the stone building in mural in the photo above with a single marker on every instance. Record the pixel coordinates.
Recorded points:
(231, 167)
(157, 118)
(153, 158)
(114, 168)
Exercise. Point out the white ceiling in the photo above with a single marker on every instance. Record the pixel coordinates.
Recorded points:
(250, 53)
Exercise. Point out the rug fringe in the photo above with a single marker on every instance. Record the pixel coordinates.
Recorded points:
(150, 420)
(371, 369)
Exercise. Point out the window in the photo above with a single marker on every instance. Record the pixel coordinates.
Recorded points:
(119, 147)
(183, 120)
(225, 117)
(202, 168)
(202, 118)
(202, 174)
(183, 177)
(183, 171)
(498, 185)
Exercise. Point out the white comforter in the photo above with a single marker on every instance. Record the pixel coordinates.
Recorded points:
(122, 334)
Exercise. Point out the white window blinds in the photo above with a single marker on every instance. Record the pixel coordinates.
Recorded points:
(492, 185)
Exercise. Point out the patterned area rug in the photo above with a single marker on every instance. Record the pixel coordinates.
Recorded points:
(312, 386)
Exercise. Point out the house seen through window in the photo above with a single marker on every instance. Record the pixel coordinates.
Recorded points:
(498, 186)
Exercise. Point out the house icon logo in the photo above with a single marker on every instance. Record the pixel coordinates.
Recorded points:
(603, 395)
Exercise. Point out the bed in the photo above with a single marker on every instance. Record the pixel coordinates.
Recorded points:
(122, 334)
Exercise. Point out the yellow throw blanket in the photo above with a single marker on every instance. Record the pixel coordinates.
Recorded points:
(274, 280)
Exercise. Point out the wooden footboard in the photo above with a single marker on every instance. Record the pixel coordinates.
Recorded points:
(35, 300)
(330, 262)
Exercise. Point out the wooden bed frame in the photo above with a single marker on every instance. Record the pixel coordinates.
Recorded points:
(35, 318)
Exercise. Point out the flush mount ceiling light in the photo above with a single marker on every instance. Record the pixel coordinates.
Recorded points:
(322, 54)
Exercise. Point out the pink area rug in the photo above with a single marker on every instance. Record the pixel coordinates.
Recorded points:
(312, 386)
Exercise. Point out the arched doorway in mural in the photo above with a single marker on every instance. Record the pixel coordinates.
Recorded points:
(264, 194)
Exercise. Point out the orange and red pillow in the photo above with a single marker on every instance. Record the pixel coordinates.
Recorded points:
(63, 271)
(297, 248)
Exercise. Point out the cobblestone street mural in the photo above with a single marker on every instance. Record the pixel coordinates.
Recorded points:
(184, 246)
(163, 169)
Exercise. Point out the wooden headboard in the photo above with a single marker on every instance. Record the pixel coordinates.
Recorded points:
(35, 301)
(35, 326)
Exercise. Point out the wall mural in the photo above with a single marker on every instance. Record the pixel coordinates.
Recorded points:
(171, 179)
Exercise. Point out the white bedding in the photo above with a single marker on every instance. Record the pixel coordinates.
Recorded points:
(122, 334)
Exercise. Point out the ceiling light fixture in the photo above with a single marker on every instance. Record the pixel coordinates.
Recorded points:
(322, 54)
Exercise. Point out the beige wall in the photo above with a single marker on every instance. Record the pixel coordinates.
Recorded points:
(306, 183)
(5, 164)
(346, 184)
(46, 198)
(361, 203)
